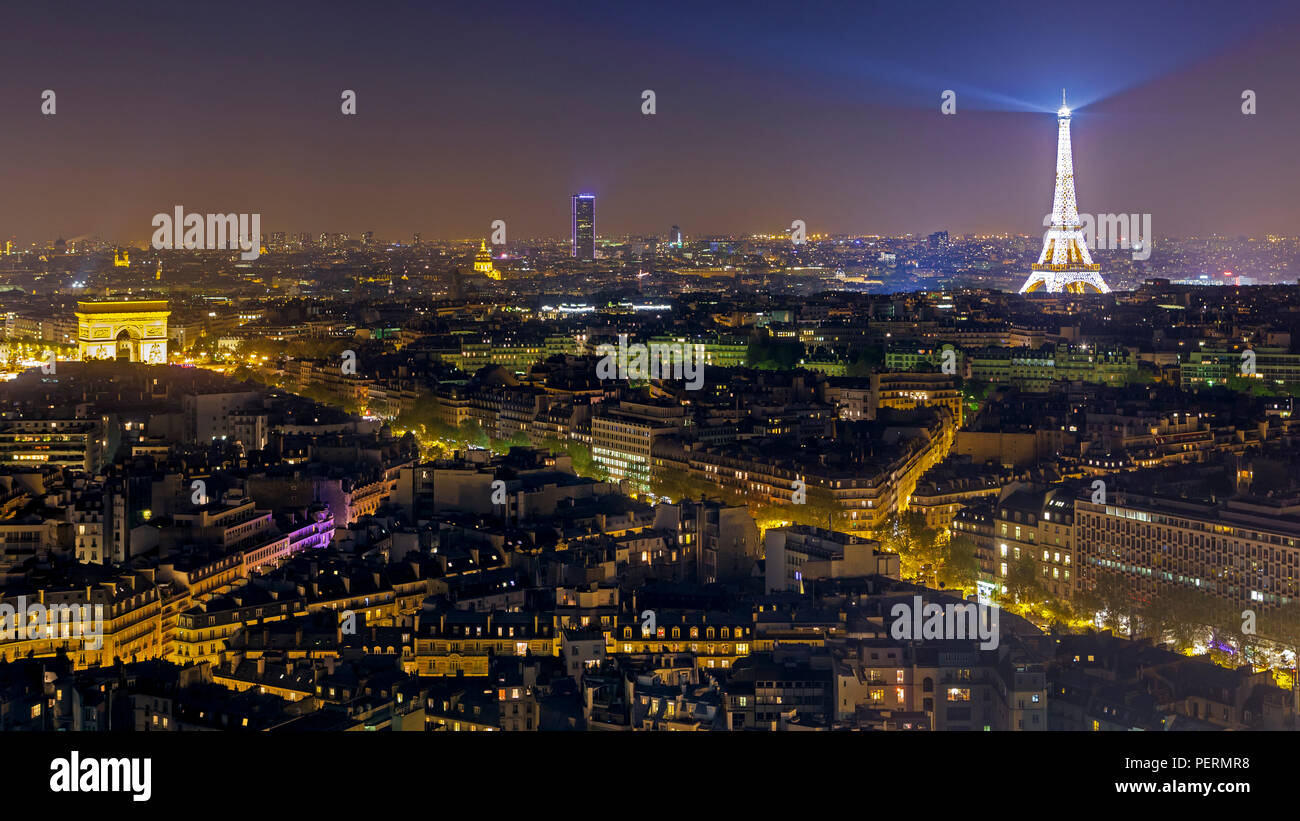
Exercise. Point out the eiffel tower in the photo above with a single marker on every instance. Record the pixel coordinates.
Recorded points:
(1065, 266)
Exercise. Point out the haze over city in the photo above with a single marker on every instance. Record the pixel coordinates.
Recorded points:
(826, 112)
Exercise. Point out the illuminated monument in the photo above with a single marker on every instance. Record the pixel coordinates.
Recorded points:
(483, 262)
(1065, 266)
(125, 331)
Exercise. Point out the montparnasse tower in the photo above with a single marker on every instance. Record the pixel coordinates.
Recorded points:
(1065, 266)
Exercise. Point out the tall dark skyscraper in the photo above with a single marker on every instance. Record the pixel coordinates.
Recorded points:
(675, 237)
(584, 226)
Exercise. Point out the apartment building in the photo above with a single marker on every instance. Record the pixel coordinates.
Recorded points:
(798, 554)
(622, 438)
(1036, 525)
(75, 443)
(1244, 551)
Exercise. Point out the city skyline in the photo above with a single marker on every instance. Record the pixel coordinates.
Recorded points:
(403, 371)
(848, 135)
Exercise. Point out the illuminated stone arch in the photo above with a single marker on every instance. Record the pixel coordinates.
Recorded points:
(126, 347)
(134, 330)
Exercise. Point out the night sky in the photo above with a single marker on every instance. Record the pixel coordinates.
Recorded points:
(470, 112)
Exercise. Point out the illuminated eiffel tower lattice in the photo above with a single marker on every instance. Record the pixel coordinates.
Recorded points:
(1065, 265)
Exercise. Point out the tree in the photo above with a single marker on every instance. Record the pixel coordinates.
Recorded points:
(1142, 376)
(677, 485)
(975, 393)
(423, 414)
(767, 352)
(1109, 597)
(1022, 583)
(1233, 642)
(472, 433)
(554, 446)
(1178, 615)
(1283, 625)
(584, 464)
(917, 545)
(959, 568)
(519, 440)
(1252, 386)
(865, 361)
(819, 509)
